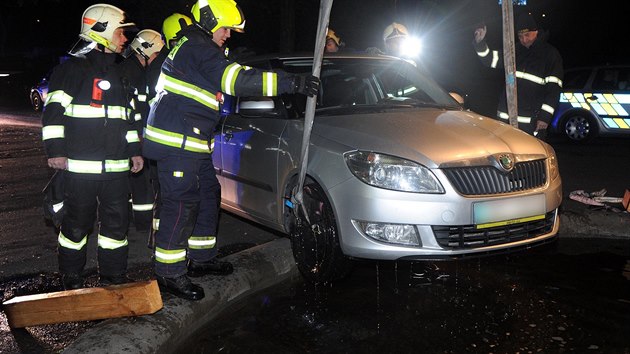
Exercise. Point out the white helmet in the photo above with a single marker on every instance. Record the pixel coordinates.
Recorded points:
(395, 30)
(146, 43)
(99, 23)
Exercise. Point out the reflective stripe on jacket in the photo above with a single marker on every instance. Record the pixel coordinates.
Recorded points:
(87, 118)
(186, 110)
(539, 76)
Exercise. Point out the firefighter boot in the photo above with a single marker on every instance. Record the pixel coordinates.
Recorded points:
(72, 281)
(213, 266)
(180, 286)
(107, 280)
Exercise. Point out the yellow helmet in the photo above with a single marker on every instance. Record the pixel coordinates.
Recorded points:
(332, 35)
(99, 23)
(214, 14)
(172, 25)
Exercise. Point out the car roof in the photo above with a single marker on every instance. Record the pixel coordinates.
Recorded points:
(309, 56)
(603, 66)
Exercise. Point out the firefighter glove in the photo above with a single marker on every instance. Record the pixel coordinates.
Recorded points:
(306, 85)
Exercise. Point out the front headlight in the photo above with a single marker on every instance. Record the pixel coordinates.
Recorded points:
(552, 163)
(390, 172)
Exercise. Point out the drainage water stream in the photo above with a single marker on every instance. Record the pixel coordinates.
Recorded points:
(544, 301)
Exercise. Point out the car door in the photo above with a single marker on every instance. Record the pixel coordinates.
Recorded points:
(248, 172)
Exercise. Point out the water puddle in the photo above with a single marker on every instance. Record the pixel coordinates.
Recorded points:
(534, 302)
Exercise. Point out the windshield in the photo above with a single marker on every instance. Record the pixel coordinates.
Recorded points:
(384, 83)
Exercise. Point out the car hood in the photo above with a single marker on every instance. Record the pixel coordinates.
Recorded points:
(431, 137)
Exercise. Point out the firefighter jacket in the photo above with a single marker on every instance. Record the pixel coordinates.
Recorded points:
(86, 118)
(134, 74)
(182, 120)
(539, 77)
(153, 73)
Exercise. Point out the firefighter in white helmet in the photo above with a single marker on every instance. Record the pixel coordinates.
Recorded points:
(394, 37)
(142, 51)
(87, 134)
(179, 136)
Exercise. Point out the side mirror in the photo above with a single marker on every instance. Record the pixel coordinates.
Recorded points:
(257, 107)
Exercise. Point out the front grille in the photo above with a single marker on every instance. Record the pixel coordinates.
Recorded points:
(483, 180)
(467, 236)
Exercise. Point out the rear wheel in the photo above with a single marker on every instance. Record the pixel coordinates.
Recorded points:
(579, 128)
(315, 242)
(36, 100)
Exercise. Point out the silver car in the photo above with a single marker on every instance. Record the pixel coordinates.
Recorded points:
(397, 169)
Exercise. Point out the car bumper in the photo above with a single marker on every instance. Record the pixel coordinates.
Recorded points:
(431, 215)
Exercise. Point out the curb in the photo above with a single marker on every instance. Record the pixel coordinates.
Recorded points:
(163, 332)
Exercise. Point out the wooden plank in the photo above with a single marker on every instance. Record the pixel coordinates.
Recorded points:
(133, 299)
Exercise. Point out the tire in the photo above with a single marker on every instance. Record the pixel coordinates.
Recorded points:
(579, 128)
(36, 100)
(315, 246)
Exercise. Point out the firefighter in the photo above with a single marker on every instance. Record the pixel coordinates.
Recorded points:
(394, 36)
(333, 42)
(539, 75)
(171, 29)
(87, 134)
(139, 55)
(179, 137)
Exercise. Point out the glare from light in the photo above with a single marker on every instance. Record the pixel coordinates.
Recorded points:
(411, 47)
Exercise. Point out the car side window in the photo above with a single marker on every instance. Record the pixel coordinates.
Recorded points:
(606, 79)
(576, 79)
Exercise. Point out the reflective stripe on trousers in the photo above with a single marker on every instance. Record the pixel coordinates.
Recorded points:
(82, 208)
(189, 205)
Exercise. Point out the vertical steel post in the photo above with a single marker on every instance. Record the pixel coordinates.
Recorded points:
(509, 62)
(322, 27)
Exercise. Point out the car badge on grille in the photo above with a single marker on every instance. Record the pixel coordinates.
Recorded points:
(506, 161)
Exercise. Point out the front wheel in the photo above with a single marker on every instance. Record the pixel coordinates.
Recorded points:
(579, 128)
(315, 243)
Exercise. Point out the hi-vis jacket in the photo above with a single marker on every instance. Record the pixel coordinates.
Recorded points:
(182, 119)
(86, 118)
(539, 77)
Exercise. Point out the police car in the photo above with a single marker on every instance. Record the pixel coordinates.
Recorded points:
(595, 102)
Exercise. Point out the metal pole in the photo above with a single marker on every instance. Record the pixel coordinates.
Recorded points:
(509, 62)
(322, 27)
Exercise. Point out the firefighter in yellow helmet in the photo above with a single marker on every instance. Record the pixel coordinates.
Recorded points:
(172, 26)
(87, 135)
(179, 136)
(333, 42)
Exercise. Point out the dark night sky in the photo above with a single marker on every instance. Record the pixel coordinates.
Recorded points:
(35, 32)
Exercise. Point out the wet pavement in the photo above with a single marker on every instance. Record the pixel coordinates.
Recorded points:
(571, 297)
(476, 306)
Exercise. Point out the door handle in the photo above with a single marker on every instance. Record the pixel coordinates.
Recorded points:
(227, 136)
(592, 98)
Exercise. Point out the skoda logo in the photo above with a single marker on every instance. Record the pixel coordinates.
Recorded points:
(506, 161)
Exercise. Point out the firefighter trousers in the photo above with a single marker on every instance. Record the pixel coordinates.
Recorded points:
(189, 210)
(155, 184)
(83, 200)
(142, 198)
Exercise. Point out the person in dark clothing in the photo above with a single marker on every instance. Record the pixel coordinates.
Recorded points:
(333, 42)
(539, 75)
(88, 134)
(179, 136)
(135, 70)
(171, 29)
